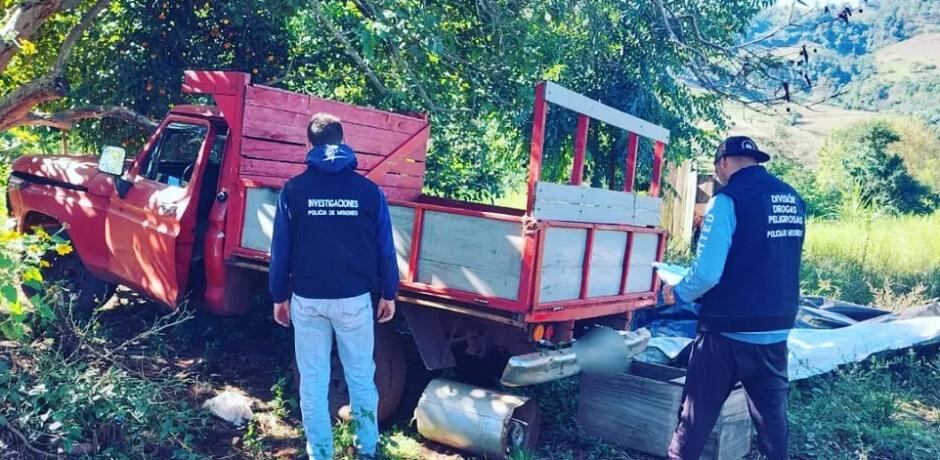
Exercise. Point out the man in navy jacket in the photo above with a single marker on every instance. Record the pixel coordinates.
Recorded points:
(746, 285)
(332, 247)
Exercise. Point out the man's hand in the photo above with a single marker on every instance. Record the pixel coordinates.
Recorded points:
(386, 310)
(669, 294)
(282, 313)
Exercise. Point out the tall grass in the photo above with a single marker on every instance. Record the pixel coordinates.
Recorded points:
(856, 257)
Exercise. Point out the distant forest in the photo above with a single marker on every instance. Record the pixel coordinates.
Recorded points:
(842, 54)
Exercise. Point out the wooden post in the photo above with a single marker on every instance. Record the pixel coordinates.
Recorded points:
(659, 151)
(629, 175)
(586, 263)
(580, 145)
(539, 114)
(416, 231)
(531, 242)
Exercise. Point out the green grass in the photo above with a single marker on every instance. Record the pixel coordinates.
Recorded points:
(853, 260)
(884, 407)
(879, 409)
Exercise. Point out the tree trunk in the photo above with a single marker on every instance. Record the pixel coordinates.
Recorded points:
(612, 165)
(23, 20)
(66, 119)
(15, 107)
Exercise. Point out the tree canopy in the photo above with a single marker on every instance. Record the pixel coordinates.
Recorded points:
(471, 65)
(865, 156)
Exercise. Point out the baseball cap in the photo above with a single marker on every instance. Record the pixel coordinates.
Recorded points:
(738, 146)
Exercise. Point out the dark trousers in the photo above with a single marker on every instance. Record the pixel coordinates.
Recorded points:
(716, 365)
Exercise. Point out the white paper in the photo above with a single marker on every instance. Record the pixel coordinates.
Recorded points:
(670, 274)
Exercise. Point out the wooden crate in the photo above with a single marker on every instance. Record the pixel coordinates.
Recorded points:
(639, 408)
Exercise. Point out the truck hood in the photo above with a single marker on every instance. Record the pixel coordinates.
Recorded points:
(71, 170)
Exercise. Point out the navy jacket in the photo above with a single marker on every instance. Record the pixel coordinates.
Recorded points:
(760, 286)
(332, 233)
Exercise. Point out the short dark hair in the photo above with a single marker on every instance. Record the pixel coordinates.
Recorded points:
(324, 128)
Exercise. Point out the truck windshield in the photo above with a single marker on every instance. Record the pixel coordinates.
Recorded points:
(174, 157)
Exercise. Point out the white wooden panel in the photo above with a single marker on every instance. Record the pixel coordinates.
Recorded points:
(584, 204)
(470, 253)
(559, 95)
(403, 219)
(258, 226)
(562, 264)
(606, 263)
(642, 256)
(483, 282)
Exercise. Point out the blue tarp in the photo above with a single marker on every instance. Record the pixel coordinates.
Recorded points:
(828, 333)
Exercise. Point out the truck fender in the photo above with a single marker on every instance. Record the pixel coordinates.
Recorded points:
(427, 330)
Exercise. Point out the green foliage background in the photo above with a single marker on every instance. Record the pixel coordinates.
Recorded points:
(471, 65)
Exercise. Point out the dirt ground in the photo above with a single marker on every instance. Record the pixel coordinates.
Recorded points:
(250, 355)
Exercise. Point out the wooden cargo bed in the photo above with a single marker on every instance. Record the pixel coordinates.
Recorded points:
(575, 252)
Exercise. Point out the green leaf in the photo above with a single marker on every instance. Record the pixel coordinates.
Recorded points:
(45, 313)
(13, 330)
(9, 293)
(33, 284)
(368, 43)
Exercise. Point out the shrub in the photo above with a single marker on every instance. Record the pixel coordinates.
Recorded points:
(820, 202)
(64, 391)
(21, 258)
(861, 156)
(920, 149)
(56, 402)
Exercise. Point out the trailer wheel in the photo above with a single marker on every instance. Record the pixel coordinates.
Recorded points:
(390, 372)
(81, 291)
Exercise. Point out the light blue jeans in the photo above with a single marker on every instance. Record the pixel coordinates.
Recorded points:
(315, 321)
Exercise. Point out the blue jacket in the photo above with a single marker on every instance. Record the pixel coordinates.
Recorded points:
(332, 232)
(760, 285)
(714, 245)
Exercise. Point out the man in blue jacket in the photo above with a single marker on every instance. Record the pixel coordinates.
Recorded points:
(746, 282)
(332, 247)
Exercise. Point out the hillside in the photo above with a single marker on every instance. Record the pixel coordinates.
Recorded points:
(884, 58)
(884, 63)
(904, 80)
(917, 57)
(797, 134)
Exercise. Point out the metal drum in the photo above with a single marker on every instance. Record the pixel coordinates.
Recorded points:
(477, 420)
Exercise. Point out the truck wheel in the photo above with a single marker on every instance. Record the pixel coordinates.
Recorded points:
(81, 291)
(390, 371)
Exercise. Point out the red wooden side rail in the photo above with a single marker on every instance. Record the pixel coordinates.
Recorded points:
(550, 93)
(534, 233)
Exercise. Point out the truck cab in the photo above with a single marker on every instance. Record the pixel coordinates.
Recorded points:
(188, 219)
(141, 223)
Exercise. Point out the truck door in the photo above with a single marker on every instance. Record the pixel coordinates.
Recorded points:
(152, 228)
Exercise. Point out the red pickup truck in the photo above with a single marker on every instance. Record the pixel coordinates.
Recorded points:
(190, 219)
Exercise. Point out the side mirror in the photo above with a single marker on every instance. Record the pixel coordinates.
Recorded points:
(112, 160)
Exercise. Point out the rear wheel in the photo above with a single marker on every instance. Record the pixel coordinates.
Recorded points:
(390, 372)
(80, 291)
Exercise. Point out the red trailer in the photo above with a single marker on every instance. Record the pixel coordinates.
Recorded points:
(191, 219)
